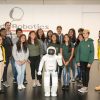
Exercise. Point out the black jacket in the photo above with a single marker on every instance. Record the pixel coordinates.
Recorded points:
(7, 43)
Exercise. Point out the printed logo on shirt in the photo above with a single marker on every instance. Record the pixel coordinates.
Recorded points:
(88, 45)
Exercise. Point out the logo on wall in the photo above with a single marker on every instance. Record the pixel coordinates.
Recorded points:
(16, 14)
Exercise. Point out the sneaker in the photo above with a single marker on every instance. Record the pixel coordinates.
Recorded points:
(38, 83)
(2, 80)
(6, 84)
(97, 88)
(80, 81)
(14, 81)
(83, 90)
(79, 84)
(25, 82)
(47, 94)
(19, 87)
(34, 84)
(63, 87)
(73, 80)
(22, 86)
(77, 78)
(2, 91)
(67, 87)
(53, 94)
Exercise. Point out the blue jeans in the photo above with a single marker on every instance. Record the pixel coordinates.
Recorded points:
(66, 75)
(73, 68)
(79, 73)
(14, 69)
(21, 72)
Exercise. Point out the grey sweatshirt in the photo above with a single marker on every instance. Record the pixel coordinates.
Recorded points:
(20, 56)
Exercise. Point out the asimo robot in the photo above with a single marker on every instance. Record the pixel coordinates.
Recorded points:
(49, 62)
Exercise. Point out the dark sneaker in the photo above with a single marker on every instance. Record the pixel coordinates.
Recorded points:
(66, 87)
(6, 84)
(63, 87)
(14, 81)
(2, 91)
(25, 82)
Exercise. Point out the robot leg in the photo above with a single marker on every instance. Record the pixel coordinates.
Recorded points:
(54, 84)
(47, 83)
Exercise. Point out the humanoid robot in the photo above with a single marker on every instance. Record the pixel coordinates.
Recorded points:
(49, 61)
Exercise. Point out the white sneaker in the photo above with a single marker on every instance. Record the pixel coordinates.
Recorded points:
(53, 94)
(73, 80)
(34, 84)
(22, 86)
(83, 90)
(47, 94)
(6, 84)
(38, 83)
(19, 87)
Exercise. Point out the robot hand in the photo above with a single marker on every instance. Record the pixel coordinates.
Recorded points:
(59, 56)
(39, 72)
(59, 59)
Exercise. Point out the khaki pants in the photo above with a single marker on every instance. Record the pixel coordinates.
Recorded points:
(1, 71)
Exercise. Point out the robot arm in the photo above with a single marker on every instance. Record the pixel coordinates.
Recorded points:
(41, 65)
(59, 59)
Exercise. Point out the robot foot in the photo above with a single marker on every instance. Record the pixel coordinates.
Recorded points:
(53, 94)
(47, 94)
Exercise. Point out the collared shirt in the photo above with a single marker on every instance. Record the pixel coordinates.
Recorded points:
(60, 38)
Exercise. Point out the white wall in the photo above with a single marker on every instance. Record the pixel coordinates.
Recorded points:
(49, 16)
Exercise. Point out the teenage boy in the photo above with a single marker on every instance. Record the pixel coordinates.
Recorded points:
(85, 58)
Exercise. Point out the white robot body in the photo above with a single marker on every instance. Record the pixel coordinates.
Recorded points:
(50, 64)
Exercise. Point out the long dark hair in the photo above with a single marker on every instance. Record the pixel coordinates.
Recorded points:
(73, 38)
(18, 44)
(50, 31)
(69, 42)
(35, 40)
(55, 34)
(77, 40)
(43, 36)
(2, 39)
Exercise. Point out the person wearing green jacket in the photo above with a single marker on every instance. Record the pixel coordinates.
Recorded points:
(78, 40)
(85, 58)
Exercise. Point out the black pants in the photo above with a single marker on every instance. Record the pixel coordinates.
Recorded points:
(85, 73)
(5, 69)
(34, 65)
(60, 71)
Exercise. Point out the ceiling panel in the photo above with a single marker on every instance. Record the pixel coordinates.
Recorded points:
(51, 1)
(23, 1)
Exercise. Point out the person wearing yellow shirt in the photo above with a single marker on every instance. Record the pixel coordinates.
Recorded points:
(2, 62)
(97, 88)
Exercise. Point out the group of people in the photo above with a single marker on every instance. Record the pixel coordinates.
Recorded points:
(77, 55)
